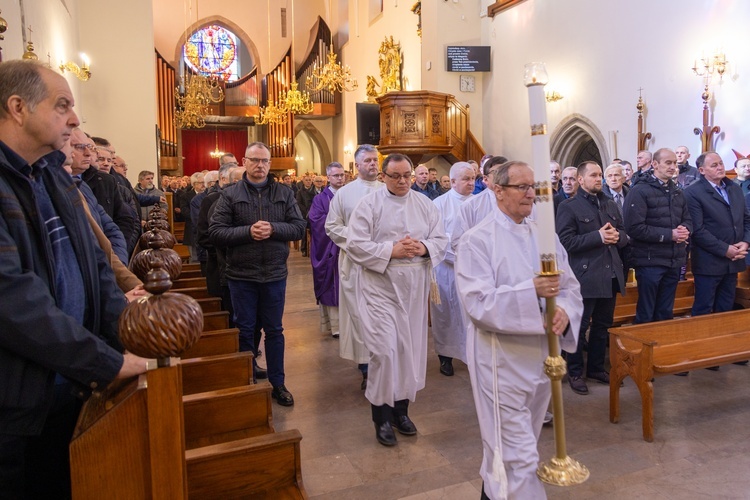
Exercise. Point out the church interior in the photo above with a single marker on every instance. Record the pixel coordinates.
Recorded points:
(623, 76)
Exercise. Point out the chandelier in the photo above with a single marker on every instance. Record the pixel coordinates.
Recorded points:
(192, 106)
(216, 153)
(332, 75)
(296, 101)
(272, 114)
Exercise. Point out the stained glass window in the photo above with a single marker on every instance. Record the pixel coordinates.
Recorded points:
(212, 51)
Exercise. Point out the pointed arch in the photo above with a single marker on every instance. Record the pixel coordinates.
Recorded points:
(223, 21)
(318, 140)
(572, 134)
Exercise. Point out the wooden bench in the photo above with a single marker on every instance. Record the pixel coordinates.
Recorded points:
(227, 414)
(667, 347)
(211, 304)
(261, 467)
(198, 292)
(188, 283)
(215, 321)
(211, 373)
(194, 266)
(625, 306)
(183, 251)
(190, 273)
(215, 342)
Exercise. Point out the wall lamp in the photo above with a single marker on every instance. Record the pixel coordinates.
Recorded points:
(83, 73)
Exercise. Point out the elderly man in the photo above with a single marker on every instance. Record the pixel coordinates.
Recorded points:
(397, 237)
(658, 223)
(324, 254)
(554, 175)
(421, 182)
(644, 167)
(254, 220)
(60, 301)
(686, 173)
(720, 238)
(616, 187)
(210, 180)
(569, 186)
(448, 328)
(351, 344)
(496, 266)
(590, 228)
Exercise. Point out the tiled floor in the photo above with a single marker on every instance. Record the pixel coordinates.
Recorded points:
(701, 449)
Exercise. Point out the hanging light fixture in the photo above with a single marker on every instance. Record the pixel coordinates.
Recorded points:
(332, 75)
(273, 112)
(216, 153)
(296, 101)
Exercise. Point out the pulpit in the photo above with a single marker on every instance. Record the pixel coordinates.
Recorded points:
(423, 124)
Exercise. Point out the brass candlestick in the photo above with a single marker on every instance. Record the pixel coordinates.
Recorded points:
(561, 470)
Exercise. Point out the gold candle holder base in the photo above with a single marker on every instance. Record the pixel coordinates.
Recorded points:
(563, 472)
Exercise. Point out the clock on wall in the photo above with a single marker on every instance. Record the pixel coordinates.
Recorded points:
(467, 83)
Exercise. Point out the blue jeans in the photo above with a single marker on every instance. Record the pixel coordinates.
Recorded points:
(657, 286)
(262, 302)
(714, 293)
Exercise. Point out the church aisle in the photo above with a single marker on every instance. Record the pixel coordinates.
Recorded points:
(700, 449)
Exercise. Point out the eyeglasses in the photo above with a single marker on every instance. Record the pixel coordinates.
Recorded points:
(83, 147)
(406, 177)
(521, 188)
(255, 161)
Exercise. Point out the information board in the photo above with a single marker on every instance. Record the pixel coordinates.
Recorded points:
(468, 58)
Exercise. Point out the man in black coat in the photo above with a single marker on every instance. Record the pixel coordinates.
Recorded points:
(721, 234)
(658, 223)
(590, 228)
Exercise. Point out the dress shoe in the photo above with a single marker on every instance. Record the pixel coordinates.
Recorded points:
(681, 374)
(446, 367)
(261, 373)
(384, 434)
(548, 417)
(404, 425)
(578, 385)
(282, 396)
(363, 385)
(741, 363)
(335, 335)
(713, 368)
(601, 377)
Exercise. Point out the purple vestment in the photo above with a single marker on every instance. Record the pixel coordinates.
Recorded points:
(324, 254)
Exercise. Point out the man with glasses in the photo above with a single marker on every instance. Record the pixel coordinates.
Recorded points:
(496, 278)
(590, 228)
(60, 302)
(324, 254)
(254, 220)
(397, 238)
(351, 345)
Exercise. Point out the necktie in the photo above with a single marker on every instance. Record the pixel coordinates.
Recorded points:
(723, 193)
(618, 200)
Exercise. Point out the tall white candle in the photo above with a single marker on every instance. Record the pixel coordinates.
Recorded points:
(535, 79)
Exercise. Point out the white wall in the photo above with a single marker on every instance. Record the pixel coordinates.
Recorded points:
(600, 52)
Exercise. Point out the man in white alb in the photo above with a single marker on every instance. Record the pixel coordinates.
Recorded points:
(351, 345)
(397, 237)
(448, 327)
(506, 345)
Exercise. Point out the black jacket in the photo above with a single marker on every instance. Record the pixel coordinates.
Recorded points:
(37, 339)
(651, 211)
(215, 262)
(578, 222)
(716, 226)
(304, 199)
(109, 195)
(239, 207)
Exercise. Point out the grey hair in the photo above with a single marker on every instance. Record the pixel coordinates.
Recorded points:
(224, 170)
(614, 166)
(24, 79)
(362, 149)
(501, 175)
(332, 165)
(459, 167)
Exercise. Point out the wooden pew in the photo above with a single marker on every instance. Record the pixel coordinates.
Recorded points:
(188, 283)
(183, 251)
(211, 373)
(261, 467)
(211, 304)
(625, 306)
(194, 266)
(215, 342)
(227, 415)
(190, 273)
(667, 347)
(215, 321)
(198, 292)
